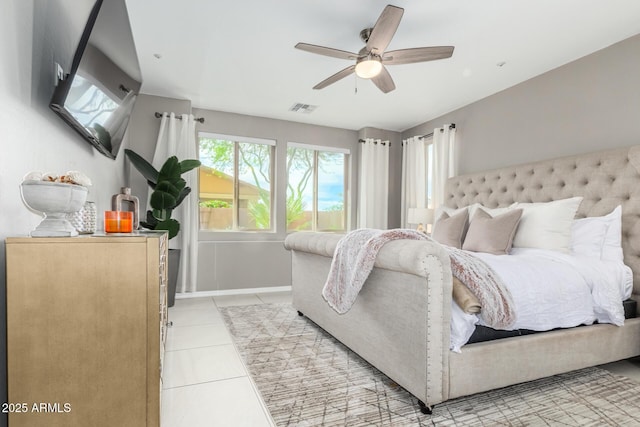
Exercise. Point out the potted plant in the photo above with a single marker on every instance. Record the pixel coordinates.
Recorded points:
(169, 190)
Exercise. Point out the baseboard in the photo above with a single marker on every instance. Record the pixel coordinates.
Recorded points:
(200, 294)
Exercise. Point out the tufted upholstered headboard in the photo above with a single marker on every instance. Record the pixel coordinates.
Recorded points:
(605, 179)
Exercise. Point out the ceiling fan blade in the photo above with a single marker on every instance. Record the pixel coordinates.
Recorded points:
(384, 29)
(384, 81)
(326, 51)
(417, 54)
(337, 76)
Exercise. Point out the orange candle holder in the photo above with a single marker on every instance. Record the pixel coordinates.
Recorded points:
(118, 222)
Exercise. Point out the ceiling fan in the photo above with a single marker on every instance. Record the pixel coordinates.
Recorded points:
(371, 60)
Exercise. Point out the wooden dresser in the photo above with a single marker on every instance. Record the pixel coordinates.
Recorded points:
(86, 324)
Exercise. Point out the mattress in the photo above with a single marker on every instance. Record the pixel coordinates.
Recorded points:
(551, 290)
(485, 333)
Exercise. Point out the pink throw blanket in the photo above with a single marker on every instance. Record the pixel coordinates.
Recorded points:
(356, 254)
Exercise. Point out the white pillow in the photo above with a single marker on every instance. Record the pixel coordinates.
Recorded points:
(546, 225)
(587, 236)
(612, 247)
(493, 212)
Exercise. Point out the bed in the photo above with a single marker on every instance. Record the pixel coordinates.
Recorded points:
(401, 320)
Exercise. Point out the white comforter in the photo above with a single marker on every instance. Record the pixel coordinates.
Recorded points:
(553, 290)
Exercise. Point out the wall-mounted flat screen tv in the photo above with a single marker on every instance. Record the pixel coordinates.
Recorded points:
(97, 95)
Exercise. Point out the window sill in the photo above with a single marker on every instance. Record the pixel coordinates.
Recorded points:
(240, 236)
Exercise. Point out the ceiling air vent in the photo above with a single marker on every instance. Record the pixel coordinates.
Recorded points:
(303, 108)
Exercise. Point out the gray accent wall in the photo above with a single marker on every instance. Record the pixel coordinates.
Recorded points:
(587, 105)
(225, 265)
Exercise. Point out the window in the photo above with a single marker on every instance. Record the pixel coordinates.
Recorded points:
(236, 179)
(316, 188)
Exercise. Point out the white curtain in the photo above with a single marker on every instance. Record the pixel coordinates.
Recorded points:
(414, 176)
(373, 197)
(422, 176)
(177, 137)
(444, 162)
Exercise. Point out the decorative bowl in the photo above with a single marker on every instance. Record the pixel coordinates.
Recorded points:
(54, 200)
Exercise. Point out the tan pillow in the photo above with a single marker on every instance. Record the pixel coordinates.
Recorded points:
(450, 229)
(493, 235)
(450, 212)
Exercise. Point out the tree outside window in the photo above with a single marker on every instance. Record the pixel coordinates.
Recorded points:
(235, 183)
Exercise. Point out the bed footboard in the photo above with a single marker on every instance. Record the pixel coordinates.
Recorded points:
(388, 325)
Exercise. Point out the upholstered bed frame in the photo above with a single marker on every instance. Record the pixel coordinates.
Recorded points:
(400, 322)
(605, 180)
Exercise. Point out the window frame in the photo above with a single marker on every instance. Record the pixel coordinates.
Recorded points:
(346, 185)
(237, 140)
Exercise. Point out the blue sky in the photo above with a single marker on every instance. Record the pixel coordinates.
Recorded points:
(330, 192)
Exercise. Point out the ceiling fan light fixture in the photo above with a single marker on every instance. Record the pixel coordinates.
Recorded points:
(369, 67)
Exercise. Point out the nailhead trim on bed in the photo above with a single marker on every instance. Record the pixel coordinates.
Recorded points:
(605, 179)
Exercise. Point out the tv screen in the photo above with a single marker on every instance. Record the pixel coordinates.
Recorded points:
(97, 95)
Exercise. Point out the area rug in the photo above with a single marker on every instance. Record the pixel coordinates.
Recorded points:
(308, 378)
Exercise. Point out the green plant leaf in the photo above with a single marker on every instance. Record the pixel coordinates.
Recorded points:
(169, 190)
(179, 185)
(145, 168)
(151, 221)
(184, 193)
(170, 170)
(161, 214)
(214, 204)
(162, 200)
(171, 225)
(168, 187)
(189, 164)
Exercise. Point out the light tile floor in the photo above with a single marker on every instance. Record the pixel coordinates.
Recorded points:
(205, 383)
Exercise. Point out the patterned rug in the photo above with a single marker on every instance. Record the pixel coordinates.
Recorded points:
(307, 378)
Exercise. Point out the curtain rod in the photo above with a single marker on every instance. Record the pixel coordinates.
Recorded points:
(375, 142)
(451, 126)
(198, 119)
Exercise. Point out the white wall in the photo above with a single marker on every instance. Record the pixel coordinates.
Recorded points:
(31, 136)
